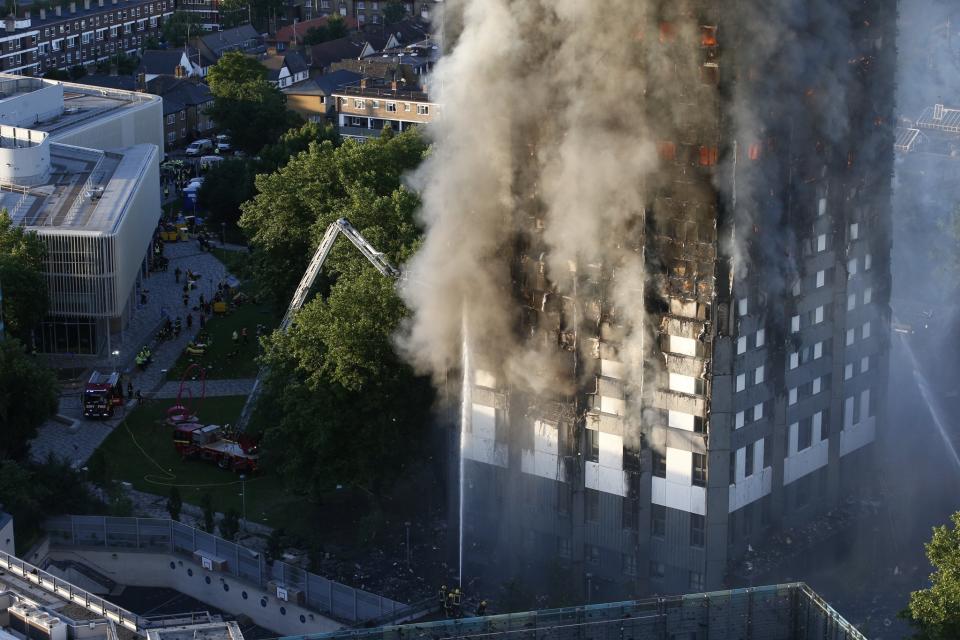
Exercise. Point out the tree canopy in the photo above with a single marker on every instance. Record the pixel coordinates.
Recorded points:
(24, 287)
(33, 492)
(339, 406)
(935, 612)
(336, 27)
(246, 104)
(394, 12)
(179, 26)
(28, 396)
(230, 183)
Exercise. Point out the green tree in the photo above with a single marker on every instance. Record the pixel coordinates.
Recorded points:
(100, 468)
(935, 612)
(32, 492)
(174, 503)
(275, 543)
(22, 262)
(56, 74)
(293, 142)
(178, 26)
(336, 27)
(294, 206)
(394, 12)
(28, 396)
(226, 186)
(339, 406)
(232, 13)
(230, 524)
(209, 515)
(246, 104)
(316, 35)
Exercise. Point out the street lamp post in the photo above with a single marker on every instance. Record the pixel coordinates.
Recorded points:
(407, 524)
(223, 233)
(243, 500)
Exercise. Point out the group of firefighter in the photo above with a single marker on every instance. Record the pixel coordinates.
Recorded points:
(451, 601)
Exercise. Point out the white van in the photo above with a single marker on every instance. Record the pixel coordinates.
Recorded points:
(199, 147)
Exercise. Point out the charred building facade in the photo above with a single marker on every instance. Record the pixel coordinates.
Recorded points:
(709, 363)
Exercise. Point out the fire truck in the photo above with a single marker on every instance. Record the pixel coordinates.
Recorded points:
(102, 393)
(214, 443)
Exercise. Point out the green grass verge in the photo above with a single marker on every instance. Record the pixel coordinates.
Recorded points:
(224, 359)
(140, 451)
(236, 262)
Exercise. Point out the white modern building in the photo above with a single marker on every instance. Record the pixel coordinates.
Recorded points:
(80, 166)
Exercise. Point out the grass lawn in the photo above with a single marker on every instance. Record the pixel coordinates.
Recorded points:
(223, 359)
(140, 451)
(236, 262)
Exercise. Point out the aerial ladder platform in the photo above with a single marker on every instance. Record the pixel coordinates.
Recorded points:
(376, 258)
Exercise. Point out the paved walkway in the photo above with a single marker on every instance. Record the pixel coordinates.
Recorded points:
(164, 299)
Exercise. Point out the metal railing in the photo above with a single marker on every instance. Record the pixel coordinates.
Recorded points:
(69, 592)
(786, 611)
(324, 596)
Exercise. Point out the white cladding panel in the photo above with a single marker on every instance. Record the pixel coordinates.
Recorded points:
(480, 443)
(682, 383)
(680, 420)
(612, 369)
(801, 463)
(683, 346)
(747, 490)
(858, 435)
(544, 460)
(683, 497)
(616, 406)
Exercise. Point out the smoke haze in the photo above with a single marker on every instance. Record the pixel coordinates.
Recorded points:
(542, 129)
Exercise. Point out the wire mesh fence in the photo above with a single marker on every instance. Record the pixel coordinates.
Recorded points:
(324, 596)
(779, 612)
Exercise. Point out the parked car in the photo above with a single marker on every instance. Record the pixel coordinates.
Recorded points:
(199, 147)
(224, 143)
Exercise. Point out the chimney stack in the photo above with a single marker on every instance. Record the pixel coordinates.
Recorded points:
(73, 6)
(363, 83)
(86, 5)
(100, 3)
(58, 10)
(393, 86)
(43, 13)
(938, 112)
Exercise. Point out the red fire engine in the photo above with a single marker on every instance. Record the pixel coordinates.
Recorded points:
(103, 392)
(214, 443)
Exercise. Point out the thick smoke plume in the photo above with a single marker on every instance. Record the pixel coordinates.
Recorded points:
(542, 143)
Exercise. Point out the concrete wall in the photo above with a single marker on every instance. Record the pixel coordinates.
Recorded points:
(136, 228)
(26, 109)
(220, 590)
(133, 124)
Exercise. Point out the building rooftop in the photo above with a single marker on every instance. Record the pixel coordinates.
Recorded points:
(86, 190)
(326, 53)
(210, 631)
(164, 61)
(383, 91)
(238, 38)
(940, 118)
(59, 107)
(324, 85)
(299, 29)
